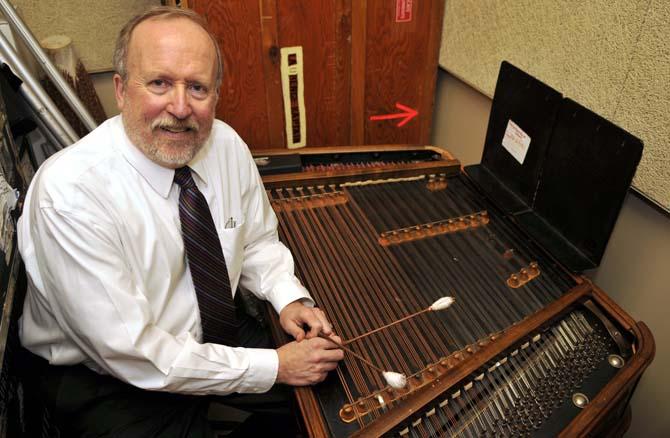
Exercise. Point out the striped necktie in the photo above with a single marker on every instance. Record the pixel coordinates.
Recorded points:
(208, 266)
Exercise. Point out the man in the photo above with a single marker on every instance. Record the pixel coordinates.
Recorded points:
(114, 303)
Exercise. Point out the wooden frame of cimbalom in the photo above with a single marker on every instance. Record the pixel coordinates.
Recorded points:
(528, 348)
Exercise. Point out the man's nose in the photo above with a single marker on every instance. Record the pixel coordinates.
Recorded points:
(179, 105)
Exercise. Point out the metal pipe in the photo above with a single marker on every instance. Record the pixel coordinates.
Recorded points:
(35, 48)
(36, 94)
(45, 120)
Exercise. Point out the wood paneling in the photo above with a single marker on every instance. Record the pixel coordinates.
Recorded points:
(358, 33)
(242, 103)
(271, 68)
(322, 28)
(358, 61)
(399, 57)
(429, 74)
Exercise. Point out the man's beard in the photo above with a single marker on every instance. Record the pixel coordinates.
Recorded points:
(173, 152)
(163, 151)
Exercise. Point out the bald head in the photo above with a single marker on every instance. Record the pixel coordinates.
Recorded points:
(176, 45)
(123, 41)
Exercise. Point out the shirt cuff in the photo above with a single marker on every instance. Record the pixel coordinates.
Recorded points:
(262, 372)
(286, 292)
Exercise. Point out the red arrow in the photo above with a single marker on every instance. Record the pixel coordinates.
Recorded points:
(407, 115)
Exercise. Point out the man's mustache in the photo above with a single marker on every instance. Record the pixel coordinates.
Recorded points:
(175, 124)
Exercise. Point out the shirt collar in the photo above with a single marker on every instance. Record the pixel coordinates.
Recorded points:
(158, 177)
(197, 164)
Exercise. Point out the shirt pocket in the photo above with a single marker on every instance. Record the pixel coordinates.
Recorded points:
(232, 245)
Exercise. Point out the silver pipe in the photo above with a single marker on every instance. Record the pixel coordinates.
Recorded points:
(46, 131)
(36, 94)
(35, 48)
(46, 121)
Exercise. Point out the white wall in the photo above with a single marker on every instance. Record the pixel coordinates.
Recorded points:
(611, 56)
(105, 88)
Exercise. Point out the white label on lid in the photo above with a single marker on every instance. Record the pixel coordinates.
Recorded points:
(516, 141)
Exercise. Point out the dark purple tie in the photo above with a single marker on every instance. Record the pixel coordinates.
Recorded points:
(208, 266)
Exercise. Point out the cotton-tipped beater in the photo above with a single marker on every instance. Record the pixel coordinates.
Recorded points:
(442, 303)
(395, 380)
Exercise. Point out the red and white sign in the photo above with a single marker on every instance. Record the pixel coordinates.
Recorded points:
(403, 11)
(516, 141)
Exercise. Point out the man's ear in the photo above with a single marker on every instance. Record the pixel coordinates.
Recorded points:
(118, 91)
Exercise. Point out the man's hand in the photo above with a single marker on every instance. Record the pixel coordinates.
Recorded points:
(309, 359)
(307, 362)
(296, 315)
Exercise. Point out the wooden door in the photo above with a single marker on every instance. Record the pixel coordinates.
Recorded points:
(401, 51)
(359, 58)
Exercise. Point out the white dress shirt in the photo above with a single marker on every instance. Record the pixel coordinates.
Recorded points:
(108, 282)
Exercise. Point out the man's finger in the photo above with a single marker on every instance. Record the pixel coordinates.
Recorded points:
(332, 341)
(314, 330)
(326, 367)
(335, 355)
(314, 323)
(326, 327)
(296, 331)
(330, 351)
(335, 338)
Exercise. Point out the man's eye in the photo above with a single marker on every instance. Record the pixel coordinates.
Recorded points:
(158, 83)
(198, 90)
